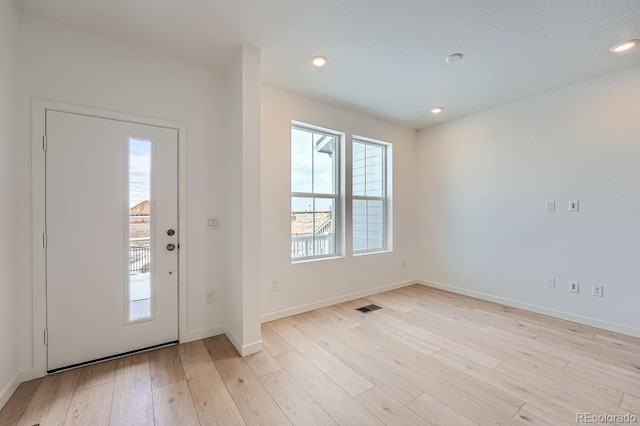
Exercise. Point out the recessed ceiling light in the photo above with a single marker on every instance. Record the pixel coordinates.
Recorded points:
(319, 61)
(437, 110)
(454, 57)
(624, 46)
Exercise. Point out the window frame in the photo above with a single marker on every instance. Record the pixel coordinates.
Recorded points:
(384, 198)
(338, 218)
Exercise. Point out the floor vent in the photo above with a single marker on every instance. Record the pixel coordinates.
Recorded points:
(368, 308)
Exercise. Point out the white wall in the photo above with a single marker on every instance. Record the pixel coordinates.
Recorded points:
(303, 286)
(9, 21)
(243, 192)
(484, 181)
(68, 65)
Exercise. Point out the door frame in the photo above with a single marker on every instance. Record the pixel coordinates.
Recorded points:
(38, 128)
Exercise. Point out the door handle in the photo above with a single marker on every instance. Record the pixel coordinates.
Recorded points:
(171, 232)
(171, 247)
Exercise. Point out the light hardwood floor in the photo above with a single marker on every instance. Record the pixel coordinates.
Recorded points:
(428, 357)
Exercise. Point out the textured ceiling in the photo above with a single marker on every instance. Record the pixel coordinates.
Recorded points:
(386, 57)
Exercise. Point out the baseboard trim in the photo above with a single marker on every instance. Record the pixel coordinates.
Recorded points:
(202, 334)
(251, 348)
(26, 375)
(334, 300)
(8, 390)
(244, 350)
(580, 319)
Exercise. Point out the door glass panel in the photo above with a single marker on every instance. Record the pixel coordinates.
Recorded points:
(139, 289)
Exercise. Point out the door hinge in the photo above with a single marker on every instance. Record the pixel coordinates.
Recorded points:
(46, 337)
(44, 142)
(44, 240)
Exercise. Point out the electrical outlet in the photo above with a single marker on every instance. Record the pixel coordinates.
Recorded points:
(211, 296)
(551, 282)
(596, 290)
(213, 223)
(274, 286)
(574, 286)
(550, 206)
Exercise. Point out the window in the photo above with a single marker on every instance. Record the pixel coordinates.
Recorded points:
(314, 192)
(369, 195)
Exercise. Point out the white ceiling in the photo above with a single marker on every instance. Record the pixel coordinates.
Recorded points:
(386, 57)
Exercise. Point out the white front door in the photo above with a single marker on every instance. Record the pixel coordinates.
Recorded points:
(111, 237)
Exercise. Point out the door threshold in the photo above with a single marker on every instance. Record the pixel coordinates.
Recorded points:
(110, 357)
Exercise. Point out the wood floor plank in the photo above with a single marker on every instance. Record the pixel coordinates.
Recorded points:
(428, 357)
(628, 344)
(491, 345)
(385, 300)
(437, 413)
(42, 399)
(531, 415)
(394, 385)
(132, 397)
(417, 333)
(603, 393)
(165, 367)
(390, 337)
(596, 350)
(631, 403)
(333, 313)
(91, 405)
(218, 343)
(440, 313)
(173, 406)
(574, 357)
(18, 403)
(453, 396)
(388, 410)
(525, 392)
(350, 338)
(338, 371)
(602, 378)
(254, 402)
(558, 390)
(337, 402)
(262, 363)
(212, 400)
(272, 341)
(443, 382)
(96, 374)
(51, 401)
(297, 404)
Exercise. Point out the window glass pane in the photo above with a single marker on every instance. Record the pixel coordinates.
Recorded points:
(301, 161)
(140, 217)
(359, 225)
(375, 224)
(323, 164)
(368, 225)
(312, 227)
(358, 169)
(324, 227)
(374, 170)
(302, 219)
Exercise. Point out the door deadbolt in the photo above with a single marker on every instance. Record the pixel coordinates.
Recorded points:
(171, 232)
(171, 247)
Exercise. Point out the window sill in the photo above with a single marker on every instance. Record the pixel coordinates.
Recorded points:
(315, 259)
(368, 253)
